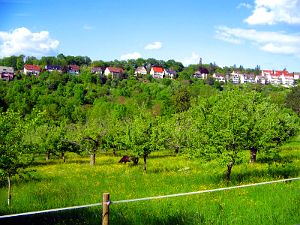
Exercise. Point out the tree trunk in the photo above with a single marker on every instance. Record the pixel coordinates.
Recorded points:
(93, 159)
(47, 155)
(253, 152)
(145, 162)
(9, 191)
(63, 157)
(228, 172)
(176, 149)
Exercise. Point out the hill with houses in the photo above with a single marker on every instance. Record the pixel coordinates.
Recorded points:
(157, 69)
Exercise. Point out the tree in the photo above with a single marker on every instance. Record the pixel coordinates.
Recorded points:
(181, 100)
(234, 121)
(20, 62)
(268, 124)
(143, 136)
(92, 134)
(15, 155)
(293, 99)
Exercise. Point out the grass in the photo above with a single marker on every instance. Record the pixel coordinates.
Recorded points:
(56, 184)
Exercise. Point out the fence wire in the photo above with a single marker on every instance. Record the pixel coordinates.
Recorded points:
(147, 198)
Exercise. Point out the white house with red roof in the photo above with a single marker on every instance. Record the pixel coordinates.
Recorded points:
(115, 72)
(32, 70)
(73, 69)
(157, 72)
(278, 77)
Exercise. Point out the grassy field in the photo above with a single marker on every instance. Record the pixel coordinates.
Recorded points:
(56, 184)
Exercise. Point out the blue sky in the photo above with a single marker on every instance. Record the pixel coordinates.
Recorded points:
(248, 33)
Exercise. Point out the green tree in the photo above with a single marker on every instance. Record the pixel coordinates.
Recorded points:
(181, 99)
(144, 136)
(15, 154)
(234, 121)
(293, 99)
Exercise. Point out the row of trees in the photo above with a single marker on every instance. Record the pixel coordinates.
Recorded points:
(53, 114)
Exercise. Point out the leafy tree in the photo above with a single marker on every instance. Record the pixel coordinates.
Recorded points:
(293, 99)
(268, 124)
(15, 155)
(20, 62)
(143, 136)
(233, 121)
(181, 100)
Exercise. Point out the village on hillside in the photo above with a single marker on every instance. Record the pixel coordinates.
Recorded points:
(266, 76)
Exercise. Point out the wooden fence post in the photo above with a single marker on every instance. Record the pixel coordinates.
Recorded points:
(105, 209)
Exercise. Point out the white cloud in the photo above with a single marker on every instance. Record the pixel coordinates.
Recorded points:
(153, 46)
(244, 5)
(273, 42)
(226, 36)
(275, 11)
(134, 55)
(23, 41)
(87, 27)
(193, 59)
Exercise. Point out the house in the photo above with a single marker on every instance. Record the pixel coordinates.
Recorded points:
(115, 72)
(288, 80)
(219, 77)
(51, 68)
(6, 73)
(279, 77)
(260, 80)
(296, 76)
(202, 73)
(249, 78)
(73, 69)
(157, 72)
(236, 78)
(97, 70)
(171, 74)
(140, 71)
(32, 70)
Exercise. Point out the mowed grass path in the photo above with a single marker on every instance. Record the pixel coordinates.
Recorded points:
(56, 184)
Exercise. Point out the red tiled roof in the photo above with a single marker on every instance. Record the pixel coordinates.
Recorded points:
(281, 72)
(74, 67)
(267, 71)
(32, 67)
(115, 70)
(158, 69)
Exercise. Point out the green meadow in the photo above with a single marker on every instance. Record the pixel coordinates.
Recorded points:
(54, 184)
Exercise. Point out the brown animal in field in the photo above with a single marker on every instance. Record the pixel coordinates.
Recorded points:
(127, 158)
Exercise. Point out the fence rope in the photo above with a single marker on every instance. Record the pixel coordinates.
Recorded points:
(50, 210)
(147, 198)
(203, 191)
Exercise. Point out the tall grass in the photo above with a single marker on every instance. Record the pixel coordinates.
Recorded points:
(56, 184)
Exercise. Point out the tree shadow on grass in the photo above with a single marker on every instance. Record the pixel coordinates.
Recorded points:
(275, 171)
(89, 216)
(72, 217)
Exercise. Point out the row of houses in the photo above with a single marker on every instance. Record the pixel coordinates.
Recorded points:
(274, 77)
(155, 72)
(7, 73)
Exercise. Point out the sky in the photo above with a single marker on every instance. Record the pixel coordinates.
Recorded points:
(225, 32)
